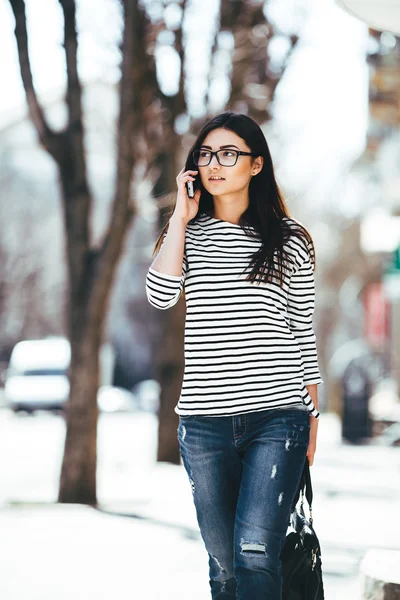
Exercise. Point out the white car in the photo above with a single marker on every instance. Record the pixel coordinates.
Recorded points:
(37, 378)
(37, 375)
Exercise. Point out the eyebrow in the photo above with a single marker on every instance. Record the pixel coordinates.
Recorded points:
(222, 147)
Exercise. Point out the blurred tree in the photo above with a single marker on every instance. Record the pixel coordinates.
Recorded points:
(253, 83)
(90, 269)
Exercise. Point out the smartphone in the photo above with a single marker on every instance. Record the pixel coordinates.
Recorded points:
(192, 187)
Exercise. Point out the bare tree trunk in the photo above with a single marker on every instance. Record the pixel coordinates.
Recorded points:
(170, 373)
(89, 295)
(78, 474)
(91, 271)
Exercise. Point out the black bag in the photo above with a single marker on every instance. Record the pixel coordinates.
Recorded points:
(301, 552)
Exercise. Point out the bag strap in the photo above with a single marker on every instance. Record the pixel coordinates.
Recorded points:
(305, 488)
(307, 483)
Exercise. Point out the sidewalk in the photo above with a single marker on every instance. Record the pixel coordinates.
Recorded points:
(77, 553)
(154, 550)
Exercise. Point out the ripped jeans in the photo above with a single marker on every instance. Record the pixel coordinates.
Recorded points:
(244, 471)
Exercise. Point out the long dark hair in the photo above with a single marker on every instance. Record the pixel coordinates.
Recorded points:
(266, 217)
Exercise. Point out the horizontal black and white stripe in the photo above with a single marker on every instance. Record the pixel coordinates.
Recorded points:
(248, 347)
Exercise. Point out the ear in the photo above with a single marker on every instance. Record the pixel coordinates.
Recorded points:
(257, 165)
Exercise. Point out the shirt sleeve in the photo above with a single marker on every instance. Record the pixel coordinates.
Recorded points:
(301, 302)
(163, 291)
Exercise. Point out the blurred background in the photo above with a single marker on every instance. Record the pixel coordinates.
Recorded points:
(101, 101)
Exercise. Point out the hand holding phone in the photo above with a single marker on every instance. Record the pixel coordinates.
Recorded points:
(188, 197)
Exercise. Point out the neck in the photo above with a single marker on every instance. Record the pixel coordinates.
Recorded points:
(229, 211)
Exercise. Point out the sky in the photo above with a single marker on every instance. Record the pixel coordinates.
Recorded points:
(321, 106)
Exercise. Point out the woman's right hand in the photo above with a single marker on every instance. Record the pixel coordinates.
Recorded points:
(186, 208)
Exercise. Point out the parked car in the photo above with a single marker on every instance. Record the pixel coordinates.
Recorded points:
(37, 378)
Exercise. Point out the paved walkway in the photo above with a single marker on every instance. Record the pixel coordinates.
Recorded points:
(78, 553)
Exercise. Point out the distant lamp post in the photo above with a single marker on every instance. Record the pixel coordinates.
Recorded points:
(383, 15)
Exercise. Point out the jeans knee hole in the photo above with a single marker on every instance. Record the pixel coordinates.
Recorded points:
(253, 548)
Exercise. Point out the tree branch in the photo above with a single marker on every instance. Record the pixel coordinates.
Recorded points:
(49, 139)
(176, 105)
(122, 208)
(74, 91)
(180, 102)
(251, 83)
(77, 198)
(214, 47)
(75, 128)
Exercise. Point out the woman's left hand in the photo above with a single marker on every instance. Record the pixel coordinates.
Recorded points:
(312, 446)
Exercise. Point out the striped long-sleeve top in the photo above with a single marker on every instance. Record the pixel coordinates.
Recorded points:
(248, 346)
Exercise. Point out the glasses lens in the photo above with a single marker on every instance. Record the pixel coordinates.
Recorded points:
(227, 158)
(201, 157)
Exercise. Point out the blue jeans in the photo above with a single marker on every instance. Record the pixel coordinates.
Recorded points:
(244, 471)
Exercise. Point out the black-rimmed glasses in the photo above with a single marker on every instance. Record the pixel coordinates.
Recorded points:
(226, 158)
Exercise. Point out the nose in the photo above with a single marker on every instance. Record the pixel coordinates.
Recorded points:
(216, 161)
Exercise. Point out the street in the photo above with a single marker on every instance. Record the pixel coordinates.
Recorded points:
(356, 499)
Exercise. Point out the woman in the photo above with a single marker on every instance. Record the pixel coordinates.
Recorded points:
(248, 409)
